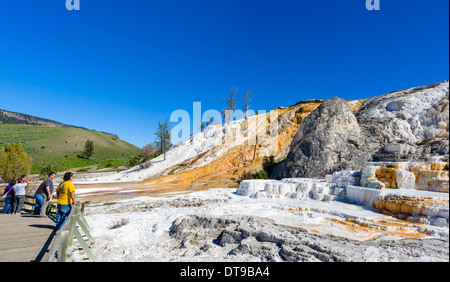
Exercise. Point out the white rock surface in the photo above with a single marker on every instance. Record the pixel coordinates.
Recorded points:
(368, 175)
(258, 230)
(296, 188)
(414, 115)
(405, 179)
(363, 195)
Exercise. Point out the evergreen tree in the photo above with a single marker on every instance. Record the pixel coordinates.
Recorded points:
(14, 162)
(163, 138)
(89, 148)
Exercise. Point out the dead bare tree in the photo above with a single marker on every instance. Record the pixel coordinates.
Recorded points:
(149, 151)
(256, 146)
(247, 99)
(242, 155)
(231, 104)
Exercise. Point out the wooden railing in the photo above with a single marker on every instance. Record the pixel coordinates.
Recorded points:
(74, 234)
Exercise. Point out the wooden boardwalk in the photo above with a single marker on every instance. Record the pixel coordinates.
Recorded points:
(25, 237)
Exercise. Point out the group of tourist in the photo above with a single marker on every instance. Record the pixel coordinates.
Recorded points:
(14, 196)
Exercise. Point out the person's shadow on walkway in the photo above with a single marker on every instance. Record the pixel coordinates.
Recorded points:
(47, 244)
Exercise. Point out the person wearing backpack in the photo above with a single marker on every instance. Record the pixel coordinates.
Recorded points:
(43, 195)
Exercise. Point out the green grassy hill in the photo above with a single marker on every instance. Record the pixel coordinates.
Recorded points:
(60, 146)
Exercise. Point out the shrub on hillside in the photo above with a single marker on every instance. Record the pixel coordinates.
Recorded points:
(269, 164)
(261, 174)
(134, 161)
(46, 170)
(14, 162)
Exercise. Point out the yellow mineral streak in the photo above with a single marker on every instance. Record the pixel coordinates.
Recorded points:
(433, 180)
(406, 206)
(388, 176)
(227, 170)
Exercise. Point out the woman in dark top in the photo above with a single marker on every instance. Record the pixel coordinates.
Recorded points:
(8, 195)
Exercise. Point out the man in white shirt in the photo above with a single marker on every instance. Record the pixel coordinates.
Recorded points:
(19, 191)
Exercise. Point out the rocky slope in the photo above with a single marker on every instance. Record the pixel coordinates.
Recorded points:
(407, 125)
(401, 126)
(7, 117)
(263, 238)
(329, 139)
(220, 156)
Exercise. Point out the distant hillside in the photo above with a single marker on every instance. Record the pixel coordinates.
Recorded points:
(7, 117)
(58, 144)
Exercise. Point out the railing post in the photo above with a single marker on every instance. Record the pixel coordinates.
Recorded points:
(72, 227)
(62, 250)
(85, 229)
(66, 241)
(83, 244)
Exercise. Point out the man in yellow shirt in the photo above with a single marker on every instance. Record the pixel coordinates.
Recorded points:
(66, 198)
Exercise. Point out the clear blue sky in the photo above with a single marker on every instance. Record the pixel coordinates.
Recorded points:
(120, 66)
